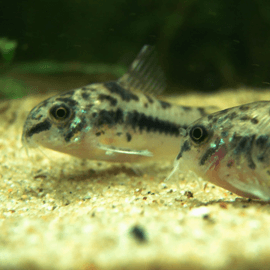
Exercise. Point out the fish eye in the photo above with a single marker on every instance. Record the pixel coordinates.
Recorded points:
(198, 134)
(60, 112)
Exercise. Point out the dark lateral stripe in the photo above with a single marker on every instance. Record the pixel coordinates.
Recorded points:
(186, 108)
(109, 118)
(74, 130)
(126, 95)
(148, 123)
(137, 121)
(113, 101)
(45, 125)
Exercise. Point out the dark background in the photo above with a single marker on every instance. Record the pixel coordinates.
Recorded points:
(202, 45)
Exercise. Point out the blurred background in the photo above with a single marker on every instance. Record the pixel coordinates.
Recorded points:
(57, 45)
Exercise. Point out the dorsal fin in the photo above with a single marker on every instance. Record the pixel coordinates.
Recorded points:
(145, 73)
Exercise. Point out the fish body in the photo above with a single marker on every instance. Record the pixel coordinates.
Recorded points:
(113, 121)
(231, 148)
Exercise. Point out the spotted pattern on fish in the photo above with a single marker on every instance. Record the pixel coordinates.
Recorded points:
(242, 145)
(129, 137)
(202, 111)
(125, 95)
(236, 140)
(150, 100)
(68, 100)
(164, 104)
(254, 121)
(85, 95)
(113, 101)
(113, 114)
(120, 121)
(244, 108)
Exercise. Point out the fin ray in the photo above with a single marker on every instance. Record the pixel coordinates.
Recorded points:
(144, 74)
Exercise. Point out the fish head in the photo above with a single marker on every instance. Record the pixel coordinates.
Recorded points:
(198, 138)
(60, 122)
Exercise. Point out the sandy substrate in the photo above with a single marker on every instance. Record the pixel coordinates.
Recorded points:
(59, 212)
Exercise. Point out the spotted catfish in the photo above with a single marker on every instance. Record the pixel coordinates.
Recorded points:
(113, 121)
(231, 149)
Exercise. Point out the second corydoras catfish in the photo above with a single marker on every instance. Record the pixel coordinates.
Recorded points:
(114, 121)
(230, 148)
